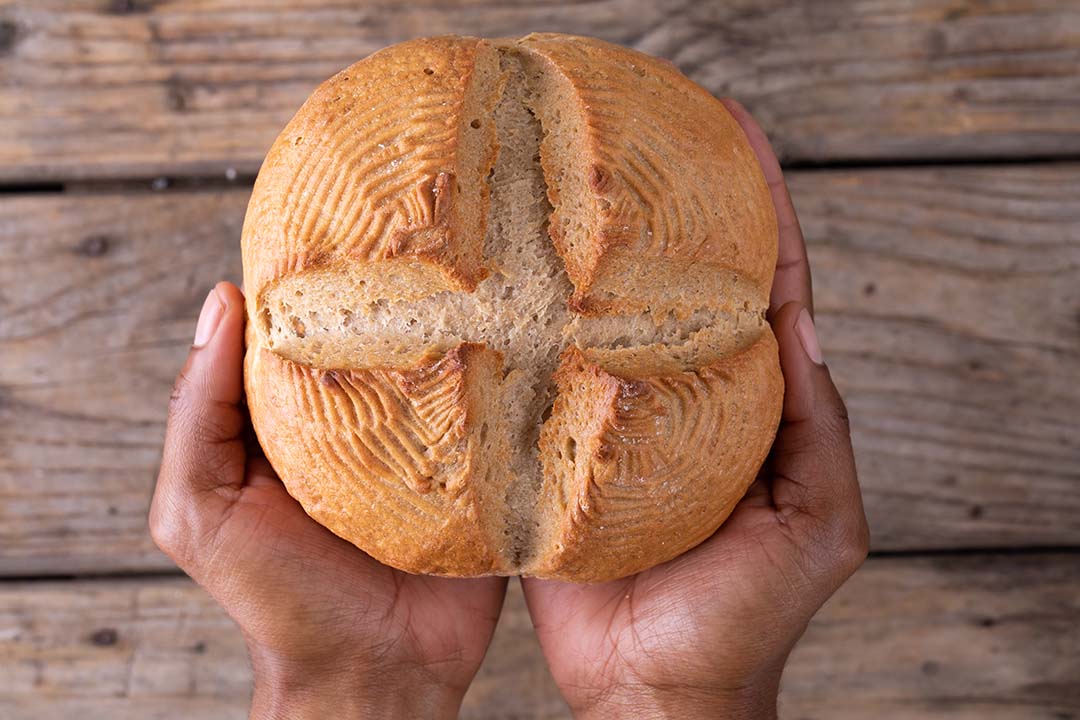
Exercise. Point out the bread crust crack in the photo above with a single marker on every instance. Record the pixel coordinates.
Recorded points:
(519, 332)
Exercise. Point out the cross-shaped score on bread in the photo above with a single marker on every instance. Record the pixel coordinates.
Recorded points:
(504, 420)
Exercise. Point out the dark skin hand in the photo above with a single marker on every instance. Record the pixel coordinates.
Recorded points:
(707, 634)
(331, 632)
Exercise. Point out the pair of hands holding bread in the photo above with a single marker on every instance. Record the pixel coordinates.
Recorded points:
(333, 633)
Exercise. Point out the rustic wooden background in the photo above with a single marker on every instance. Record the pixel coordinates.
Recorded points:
(933, 150)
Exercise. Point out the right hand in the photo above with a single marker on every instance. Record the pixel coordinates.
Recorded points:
(331, 632)
(707, 634)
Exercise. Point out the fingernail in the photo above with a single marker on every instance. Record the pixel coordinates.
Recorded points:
(209, 317)
(804, 327)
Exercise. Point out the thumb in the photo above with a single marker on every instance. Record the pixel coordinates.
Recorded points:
(810, 396)
(203, 458)
(814, 482)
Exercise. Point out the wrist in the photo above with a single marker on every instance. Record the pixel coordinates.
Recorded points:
(757, 702)
(284, 690)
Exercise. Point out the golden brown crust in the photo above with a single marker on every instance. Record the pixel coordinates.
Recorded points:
(674, 180)
(657, 464)
(644, 455)
(359, 175)
(384, 458)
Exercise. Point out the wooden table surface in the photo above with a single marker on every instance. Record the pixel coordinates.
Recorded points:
(933, 153)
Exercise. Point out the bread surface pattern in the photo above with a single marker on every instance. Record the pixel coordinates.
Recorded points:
(506, 308)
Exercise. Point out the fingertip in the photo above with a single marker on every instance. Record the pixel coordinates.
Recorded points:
(807, 333)
(213, 372)
(221, 306)
(230, 335)
(784, 321)
(810, 393)
(795, 330)
(209, 319)
(229, 292)
(797, 366)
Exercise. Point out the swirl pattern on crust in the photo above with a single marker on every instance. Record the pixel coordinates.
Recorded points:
(406, 308)
(667, 175)
(361, 174)
(641, 470)
(385, 458)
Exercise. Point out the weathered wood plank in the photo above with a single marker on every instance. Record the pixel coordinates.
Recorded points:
(964, 638)
(162, 648)
(972, 637)
(948, 303)
(97, 296)
(99, 88)
(949, 308)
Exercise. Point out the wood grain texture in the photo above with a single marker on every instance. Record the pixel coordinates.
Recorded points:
(976, 638)
(981, 637)
(98, 295)
(100, 88)
(162, 648)
(948, 303)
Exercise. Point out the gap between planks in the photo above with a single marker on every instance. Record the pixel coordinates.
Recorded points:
(989, 553)
(165, 183)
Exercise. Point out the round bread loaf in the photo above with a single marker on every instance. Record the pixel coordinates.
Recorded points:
(506, 308)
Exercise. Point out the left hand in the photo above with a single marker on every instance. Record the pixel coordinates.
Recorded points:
(331, 632)
(707, 634)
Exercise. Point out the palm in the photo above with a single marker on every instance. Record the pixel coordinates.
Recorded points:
(677, 622)
(299, 570)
